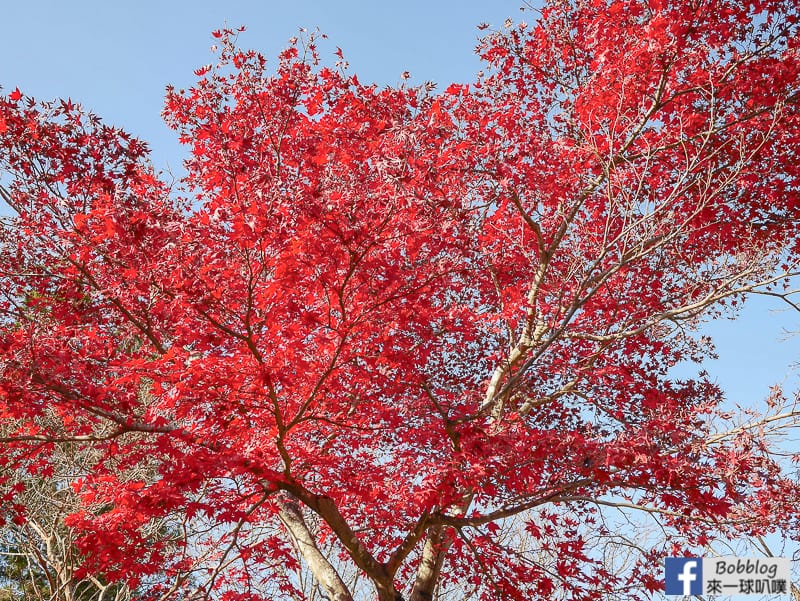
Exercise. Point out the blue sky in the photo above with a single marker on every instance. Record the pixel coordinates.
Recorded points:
(116, 57)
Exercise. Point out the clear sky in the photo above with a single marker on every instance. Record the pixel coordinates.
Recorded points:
(116, 56)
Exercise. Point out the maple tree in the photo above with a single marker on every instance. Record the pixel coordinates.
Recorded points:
(415, 344)
(39, 560)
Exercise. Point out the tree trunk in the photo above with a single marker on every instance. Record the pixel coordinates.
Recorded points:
(324, 573)
(430, 565)
(388, 593)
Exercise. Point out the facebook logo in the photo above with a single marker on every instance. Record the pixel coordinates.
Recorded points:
(684, 575)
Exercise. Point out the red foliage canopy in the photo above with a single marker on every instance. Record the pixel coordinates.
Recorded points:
(421, 336)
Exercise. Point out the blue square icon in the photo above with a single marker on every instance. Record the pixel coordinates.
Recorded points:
(683, 575)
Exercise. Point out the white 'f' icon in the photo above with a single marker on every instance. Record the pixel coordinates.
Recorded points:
(688, 576)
